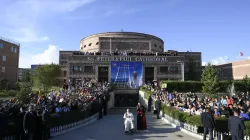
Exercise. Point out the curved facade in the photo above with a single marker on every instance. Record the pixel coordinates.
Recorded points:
(121, 41)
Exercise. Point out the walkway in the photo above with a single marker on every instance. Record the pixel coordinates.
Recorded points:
(111, 128)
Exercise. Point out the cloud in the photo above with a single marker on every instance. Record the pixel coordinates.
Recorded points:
(204, 63)
(49, 55)
(23, 23)
(217, 61)
(119, 11)
(220, 60)
(27, 35)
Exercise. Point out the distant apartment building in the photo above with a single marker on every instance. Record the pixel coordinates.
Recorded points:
(234, 70)
(197, 62)
(35, 66)
(9, 60)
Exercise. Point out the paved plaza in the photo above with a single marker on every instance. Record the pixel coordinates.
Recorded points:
(111, 128)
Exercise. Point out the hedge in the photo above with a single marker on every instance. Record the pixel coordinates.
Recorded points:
(196, 86)
(8, 93)
(221, 122)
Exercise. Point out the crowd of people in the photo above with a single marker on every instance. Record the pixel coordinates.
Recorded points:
(128, 53)
(235, 108)
(31, 119)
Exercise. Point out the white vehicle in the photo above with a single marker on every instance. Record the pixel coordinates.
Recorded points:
(129, 122)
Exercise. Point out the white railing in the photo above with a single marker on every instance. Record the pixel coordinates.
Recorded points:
(194, 129)
(185, 126)
(63, 128)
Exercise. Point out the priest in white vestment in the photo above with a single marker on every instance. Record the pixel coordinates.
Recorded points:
(129, 121)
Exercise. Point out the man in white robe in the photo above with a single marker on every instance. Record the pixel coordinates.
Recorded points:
(129, 121)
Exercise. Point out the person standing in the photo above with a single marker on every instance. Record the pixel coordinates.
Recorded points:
(158, 107)
(45, 128)
(100, 105)
(3, 122)
(20, 135)
(105, 105)
(29, 124)
(141, 118)
(208, 123)
(39, 125)
(236, 126)
(149, 103)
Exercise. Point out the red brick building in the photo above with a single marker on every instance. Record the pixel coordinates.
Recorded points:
(234, 70)
(9, 61)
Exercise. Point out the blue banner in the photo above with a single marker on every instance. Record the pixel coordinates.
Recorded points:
(127, 74)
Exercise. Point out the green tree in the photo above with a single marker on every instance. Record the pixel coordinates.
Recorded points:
(46, 76)
(210, 80)
(4, 84)
(191, 74)
(25, 87)
(25, 83)
(246, 83)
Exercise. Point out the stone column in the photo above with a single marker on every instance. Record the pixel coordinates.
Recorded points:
(143, 75)
(69, 72)
(109, 77)
(182, 71)
(96, 72)
(155, 72)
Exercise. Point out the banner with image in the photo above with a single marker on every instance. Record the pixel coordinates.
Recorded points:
(127, 74)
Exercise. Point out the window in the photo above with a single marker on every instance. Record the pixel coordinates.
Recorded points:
(90, 44)
(77, 68)
(12, 49)
(4, 58)
(81, 48)
(198, 64)
(84, 46)
(155, 45)
(88, 69)
(1, 45)
(3, 69)
(16, 50)
(97, 43)
(164, 70)
(160, 47)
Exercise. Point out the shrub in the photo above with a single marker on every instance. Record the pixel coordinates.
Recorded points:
(8, 93)
(178, 115)
(184, 86)
(196, 86)
(194, 120)
(146, 91)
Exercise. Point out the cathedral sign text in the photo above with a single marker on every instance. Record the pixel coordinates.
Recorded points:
(138, 59)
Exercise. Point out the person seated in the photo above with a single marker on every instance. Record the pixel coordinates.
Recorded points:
(244, 116)
(128, 121)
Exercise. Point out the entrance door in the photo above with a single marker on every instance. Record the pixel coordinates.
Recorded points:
(126, 100)
(149, 74)
(103, 74)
